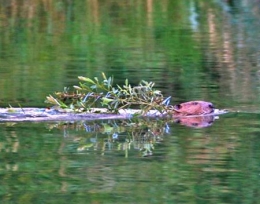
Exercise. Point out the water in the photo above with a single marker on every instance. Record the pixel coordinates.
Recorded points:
(193, 50)
(88, 162)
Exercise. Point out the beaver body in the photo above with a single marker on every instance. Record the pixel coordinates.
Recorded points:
(193, 108)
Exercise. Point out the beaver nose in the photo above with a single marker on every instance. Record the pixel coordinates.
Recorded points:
(211, 106)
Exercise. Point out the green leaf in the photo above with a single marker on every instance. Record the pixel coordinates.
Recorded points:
(104, 76)
(77, 87)
(109, 82)
(106, 101)
(93, 87)
(157, 92)
(86, 79)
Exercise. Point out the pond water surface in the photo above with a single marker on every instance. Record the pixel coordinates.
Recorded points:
(192, 50)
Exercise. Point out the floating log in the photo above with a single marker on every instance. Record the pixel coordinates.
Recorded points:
(43, 114)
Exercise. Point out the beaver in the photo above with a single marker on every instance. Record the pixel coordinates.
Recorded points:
(193, 108)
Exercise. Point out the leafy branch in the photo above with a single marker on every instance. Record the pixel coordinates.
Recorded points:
(95, 93)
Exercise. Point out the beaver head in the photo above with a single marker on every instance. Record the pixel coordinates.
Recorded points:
(193, 108)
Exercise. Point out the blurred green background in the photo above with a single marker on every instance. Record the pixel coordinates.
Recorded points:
(192, 49)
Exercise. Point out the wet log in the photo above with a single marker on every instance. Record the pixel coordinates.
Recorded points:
(42, 114)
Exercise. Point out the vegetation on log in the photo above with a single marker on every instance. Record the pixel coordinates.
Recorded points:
(93, 93)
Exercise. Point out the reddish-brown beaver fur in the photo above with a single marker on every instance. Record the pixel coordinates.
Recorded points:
(193, 108)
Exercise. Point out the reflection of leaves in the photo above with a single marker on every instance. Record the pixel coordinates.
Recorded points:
(122, 135)
(140, 134)
(84, 147)
(107, 128)
(147, 149)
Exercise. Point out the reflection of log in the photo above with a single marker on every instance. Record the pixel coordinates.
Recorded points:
(41, 114)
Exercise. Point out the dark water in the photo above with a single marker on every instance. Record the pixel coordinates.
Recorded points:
(192, 50)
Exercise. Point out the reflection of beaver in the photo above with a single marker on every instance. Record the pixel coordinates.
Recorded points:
(196, 122)
(193, 108)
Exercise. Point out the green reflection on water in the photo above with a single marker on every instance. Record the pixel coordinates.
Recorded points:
(47, 48)
(42, 161)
